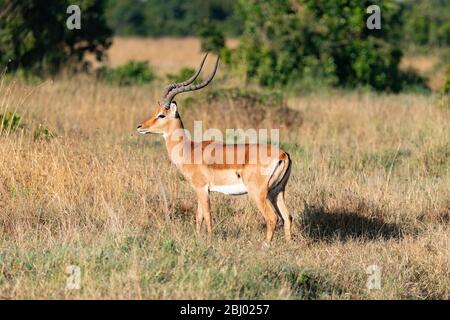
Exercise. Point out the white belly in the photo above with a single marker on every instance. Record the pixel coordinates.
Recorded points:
(231, 189)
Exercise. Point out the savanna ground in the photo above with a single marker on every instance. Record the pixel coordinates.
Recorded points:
(370, 186)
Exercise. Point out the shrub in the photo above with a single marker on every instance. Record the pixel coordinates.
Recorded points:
(242, 108)
(131, 73)
(10, 121)
(411, 81)
(43, 133)
(251, 97)
(446, 90)
(446, 87)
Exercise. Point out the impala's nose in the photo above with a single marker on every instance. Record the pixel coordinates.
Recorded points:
(139, 126)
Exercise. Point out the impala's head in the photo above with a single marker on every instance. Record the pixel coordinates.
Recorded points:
(166, 113)
(161, 120)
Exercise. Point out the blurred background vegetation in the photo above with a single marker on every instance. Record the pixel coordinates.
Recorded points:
(282, 43)
(172, 18)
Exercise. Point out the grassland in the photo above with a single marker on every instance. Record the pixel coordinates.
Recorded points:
(370, 186)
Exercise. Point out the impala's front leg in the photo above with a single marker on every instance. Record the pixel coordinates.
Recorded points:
(204, 211)
(199, 217)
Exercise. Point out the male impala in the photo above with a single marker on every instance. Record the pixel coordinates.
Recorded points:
(261, 170)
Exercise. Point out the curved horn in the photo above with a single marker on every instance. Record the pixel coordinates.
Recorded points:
(191, 87)
(172, 86)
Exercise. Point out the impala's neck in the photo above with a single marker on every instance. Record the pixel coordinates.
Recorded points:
(176, 141)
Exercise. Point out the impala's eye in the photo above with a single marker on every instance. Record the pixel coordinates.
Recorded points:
(161, 116)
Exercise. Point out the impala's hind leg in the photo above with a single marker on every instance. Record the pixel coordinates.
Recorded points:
(287, 219)
(265, 206)
(277, 197)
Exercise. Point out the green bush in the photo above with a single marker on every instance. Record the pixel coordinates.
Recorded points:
(411, 81)
(287, 43)
(43, 133)
(10, 121)
(131, 73)
(183, 74)
(446, 91)
(446, 87)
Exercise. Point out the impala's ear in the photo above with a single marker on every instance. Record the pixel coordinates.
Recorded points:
(173, 109)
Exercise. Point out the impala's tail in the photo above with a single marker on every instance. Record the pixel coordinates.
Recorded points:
(281, 173)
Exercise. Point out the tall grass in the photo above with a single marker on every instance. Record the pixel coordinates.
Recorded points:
(370, 185)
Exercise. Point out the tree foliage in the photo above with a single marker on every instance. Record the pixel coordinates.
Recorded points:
(171, 17)
(289, 41)
(212, 39)
(427, 23)
(34, 35)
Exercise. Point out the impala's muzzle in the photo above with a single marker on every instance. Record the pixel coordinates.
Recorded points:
(142, 130)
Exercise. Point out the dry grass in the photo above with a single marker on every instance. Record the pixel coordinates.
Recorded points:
(370, 185)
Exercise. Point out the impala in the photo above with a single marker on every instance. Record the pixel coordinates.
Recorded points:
(261, 170)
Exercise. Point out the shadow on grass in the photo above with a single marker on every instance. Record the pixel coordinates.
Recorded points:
(322, 224)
